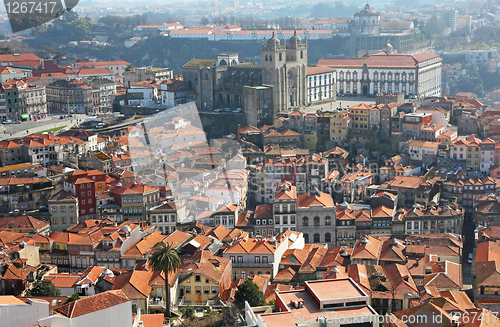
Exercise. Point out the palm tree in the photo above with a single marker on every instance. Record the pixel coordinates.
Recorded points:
(165, 259)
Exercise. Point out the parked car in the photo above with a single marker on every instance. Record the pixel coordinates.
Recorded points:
(470, 258)
(70, 115)
(62, 117)
(17, 122)
(7, 122)
(62, 130)
(43, 209)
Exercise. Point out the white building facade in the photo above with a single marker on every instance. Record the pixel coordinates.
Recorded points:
(418, 74)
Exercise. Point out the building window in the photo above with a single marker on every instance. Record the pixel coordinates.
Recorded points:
(215, 290)
(63, 221)
(63, 208)
(328, 220)
(54, 221)
(257, 259)
(187, 289)
(316, 221)
(328, 237)
(197, 278)
(316, 238)
(305, 221)
(206, 289)
(264, 259)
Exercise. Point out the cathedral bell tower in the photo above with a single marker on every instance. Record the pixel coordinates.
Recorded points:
(284, 66)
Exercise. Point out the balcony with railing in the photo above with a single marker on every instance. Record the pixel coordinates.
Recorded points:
(156, 302)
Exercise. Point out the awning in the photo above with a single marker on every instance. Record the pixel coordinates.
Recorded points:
(25, 116)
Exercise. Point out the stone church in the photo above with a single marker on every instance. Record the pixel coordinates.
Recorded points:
(284, 67)
(225, 82)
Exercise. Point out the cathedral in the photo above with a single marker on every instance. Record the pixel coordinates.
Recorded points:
(284, 67)
(278, 85)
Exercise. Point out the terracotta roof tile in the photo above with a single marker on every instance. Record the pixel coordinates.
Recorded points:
(93, 303)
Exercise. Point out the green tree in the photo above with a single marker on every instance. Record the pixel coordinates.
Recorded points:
(187, 313)
(248, 291)
(435, 26)
(204, 20)
(72, 298)
(43, 288)
(165, 259)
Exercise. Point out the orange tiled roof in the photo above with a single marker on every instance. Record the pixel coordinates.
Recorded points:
(93, 303)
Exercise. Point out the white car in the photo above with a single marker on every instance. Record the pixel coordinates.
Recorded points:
(7, 122)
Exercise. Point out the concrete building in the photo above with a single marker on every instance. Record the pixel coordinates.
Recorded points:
(261, 255)
(316, 215)
(258, 104)
(450, 19)
(69, 96)
(64, 211)
(166, 216)
(116, 67)
(138, 74)
(328, 303)
(321, 85)
(18, 313)
(104, 309)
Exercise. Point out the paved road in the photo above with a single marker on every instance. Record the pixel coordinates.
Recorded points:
(468, 248)
(32, 126)
(341, 102)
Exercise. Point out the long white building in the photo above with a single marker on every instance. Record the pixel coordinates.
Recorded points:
(418, 74)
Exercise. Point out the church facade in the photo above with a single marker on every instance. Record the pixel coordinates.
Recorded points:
(225, 82)
(284, 67)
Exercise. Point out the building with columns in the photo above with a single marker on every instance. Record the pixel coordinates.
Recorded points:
(388, 71)
(284, 67)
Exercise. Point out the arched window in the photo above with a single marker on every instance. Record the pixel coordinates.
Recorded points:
(328, 220)
(316, 221)
(301, 54)
(328, 237)
(267, 58)
(305, 221)
(306, 238)
(316, 238)
(280, 56)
